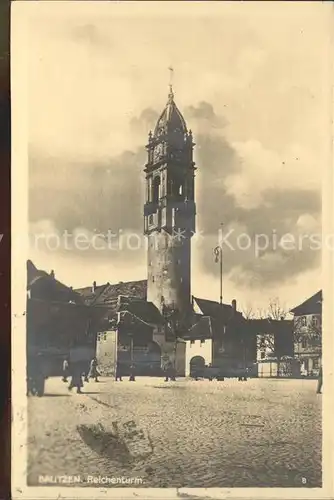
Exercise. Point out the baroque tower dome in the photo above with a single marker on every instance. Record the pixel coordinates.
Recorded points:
(171, 119)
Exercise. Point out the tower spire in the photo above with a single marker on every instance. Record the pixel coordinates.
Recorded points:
(171, 74)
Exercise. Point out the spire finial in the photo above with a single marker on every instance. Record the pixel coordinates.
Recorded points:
(171, 74)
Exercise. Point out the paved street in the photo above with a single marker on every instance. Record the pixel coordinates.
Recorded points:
(203, 434)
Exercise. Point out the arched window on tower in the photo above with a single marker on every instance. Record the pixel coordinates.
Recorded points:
(149, 189)
(156, 190)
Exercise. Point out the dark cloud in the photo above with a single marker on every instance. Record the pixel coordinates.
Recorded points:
(205, 111)
(107, 195)
(110, 195)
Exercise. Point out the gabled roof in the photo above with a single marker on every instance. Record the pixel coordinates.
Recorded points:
(313, 305)
(47, 287)
(146, 311)
(214, 309)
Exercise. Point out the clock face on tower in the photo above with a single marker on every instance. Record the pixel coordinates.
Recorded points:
(158, 151)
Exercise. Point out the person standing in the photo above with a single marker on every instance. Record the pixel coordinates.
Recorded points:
(132, 377)
(93, 372)
(65, 370)
(319, 386)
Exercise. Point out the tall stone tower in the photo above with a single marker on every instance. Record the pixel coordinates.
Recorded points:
(169, 211)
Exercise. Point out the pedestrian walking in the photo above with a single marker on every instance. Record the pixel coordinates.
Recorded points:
(76, 378)
(66, 371)
(319, 386)
(168, 372)
(93, 371)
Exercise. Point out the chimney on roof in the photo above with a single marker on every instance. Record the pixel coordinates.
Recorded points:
(234, 306)
(52, 274)
(94, 286)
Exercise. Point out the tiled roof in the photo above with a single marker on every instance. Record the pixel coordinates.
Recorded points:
(108, 294)
(313, 305)
(213, 309)
(203, 329)
(270, 325)
(146, 311)
(128, 296)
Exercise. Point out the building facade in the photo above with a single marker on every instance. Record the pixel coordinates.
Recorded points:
(308, 334)
(59, 324)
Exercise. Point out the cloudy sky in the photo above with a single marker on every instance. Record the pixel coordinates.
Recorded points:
(250, 80)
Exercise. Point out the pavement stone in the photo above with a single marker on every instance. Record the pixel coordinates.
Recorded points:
(259, 433)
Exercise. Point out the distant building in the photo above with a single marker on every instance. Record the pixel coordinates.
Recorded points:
(308, 333)
(222, 337)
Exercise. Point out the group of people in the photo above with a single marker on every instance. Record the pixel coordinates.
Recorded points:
(78, 373)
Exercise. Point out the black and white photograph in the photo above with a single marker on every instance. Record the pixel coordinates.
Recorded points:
(171, 313)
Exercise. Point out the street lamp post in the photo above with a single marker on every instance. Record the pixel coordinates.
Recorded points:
(218, 252)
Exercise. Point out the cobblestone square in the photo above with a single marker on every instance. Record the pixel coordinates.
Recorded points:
(203, 434)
